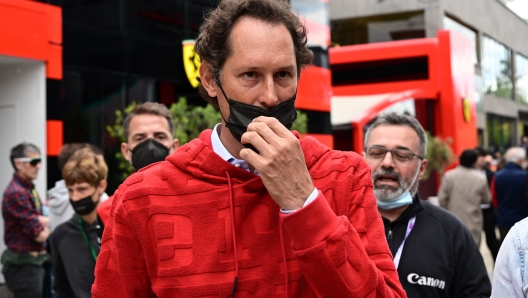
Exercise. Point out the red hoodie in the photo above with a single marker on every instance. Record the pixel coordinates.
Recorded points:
(171, 232)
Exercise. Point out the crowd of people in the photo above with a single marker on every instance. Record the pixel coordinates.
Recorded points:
(250, 209)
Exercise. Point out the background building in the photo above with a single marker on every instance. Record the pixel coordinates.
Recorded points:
(500, 50)
(116, 52)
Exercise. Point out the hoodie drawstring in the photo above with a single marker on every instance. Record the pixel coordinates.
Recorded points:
(232, 209)
(235, 282)
(283, 258)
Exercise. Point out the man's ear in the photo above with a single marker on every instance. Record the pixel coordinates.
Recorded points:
(102, 186)
(208, 79)
(18, 165)
(176, 144)
(126, 152)
(423, 167)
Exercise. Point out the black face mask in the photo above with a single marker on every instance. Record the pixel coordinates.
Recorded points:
(84, 206)
(242, 114)
(147, 152)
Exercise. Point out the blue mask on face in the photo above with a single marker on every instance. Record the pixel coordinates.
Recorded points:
(403, 200)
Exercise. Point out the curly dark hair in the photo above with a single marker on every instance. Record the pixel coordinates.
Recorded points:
(213, 46)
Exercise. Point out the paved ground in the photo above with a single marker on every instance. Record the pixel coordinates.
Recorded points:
(4, 292)
(486, 254)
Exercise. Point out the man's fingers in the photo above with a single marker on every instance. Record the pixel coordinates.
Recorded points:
(264, 131)
(275, 126)
(255, 139)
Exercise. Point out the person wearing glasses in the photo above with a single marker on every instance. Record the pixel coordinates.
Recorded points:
(26, 229)
(433, 251)
(463, 190)
(74, 243)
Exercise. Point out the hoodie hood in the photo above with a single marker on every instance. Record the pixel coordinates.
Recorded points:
(59, 206)
(58, 197)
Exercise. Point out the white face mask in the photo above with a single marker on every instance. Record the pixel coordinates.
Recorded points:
(404, 199)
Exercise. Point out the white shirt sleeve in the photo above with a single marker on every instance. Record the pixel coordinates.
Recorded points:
(310, 199)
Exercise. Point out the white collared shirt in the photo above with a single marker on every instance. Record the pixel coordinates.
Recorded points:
(221, 150)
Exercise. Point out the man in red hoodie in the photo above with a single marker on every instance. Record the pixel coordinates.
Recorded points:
(247, 209)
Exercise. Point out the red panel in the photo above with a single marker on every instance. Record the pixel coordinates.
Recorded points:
(28, 28)
(457, 76)
(25, 31)
(383, 50)
(54, 62)
(55, 24)
(327, 140)
(428, 89)
(314, 90)
(54, 136)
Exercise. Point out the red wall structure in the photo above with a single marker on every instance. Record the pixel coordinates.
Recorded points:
(448, 86)
(32, 30)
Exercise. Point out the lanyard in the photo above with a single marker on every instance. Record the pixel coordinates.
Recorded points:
(410, 226)
(37, 200)
(92, 250)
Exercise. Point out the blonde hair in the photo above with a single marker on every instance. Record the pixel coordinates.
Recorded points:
(85, 166)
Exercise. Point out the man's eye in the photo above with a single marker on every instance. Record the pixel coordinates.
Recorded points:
(403, 155)
(376, 153)
(250, 75)
(283, 74)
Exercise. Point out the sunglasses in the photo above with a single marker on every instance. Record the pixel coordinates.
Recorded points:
(33, 161)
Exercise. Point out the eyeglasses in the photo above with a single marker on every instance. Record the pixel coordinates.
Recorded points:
(33, 161)
(399, 156)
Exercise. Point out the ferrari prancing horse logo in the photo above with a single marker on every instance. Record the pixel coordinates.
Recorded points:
(466, 105)
(191, 62)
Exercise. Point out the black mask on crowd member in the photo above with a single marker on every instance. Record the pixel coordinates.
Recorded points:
(242, 114)
(147, 152)
(84, 206)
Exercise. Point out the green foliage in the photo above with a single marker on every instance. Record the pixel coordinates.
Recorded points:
(301, 123)
(438, 155)
(116, 131)
(189, 121)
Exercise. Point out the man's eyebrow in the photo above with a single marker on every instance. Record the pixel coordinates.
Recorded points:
(255, 68)
(403, 147)
(161, 132)
(397, 147)
(287, 67)
(140, 134)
